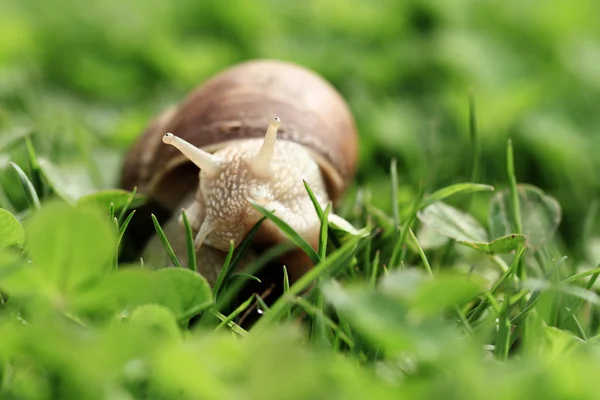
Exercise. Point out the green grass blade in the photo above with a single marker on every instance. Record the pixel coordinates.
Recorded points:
(448, 191)
(111, 212)
(394, 194)
(243, 275)
(34, 166)
(289, 231)
(333, 262)
(121, 234)
(165, 242)
(579, 327)
(323, 234)
(231, 261)
(225, 270)
(582, 275)
(512, 180)
(314, 311)
(319, 332)
(30, 193)
(334, 240)
(262, 306)
(474, 314)
(189, 242)
(518, 319)
(286, 280)
(514, 194)
(421, 252)
(398, 252)
(375, 270)
(502, 343)
(240, 309)
(474, 135)
(588, 286)
(229, 291)
(125, 224)
(314, 200)
(246, 242)
(128, 204)
(232, 325)
(368, 258)
(193, 311)
(286, 289)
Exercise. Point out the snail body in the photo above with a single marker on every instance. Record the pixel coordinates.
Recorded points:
(253, 133)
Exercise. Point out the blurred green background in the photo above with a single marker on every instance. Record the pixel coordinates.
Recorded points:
(87, 76)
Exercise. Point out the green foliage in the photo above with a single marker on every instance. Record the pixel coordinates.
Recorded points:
(540, 215)
(11, 231)
(444, 288)
(466, 230)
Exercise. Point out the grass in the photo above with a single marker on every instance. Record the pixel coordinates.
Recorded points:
(409, 327)
(471, 269)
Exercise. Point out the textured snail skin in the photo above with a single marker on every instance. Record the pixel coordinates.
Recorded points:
(227, 116)
(224, 197)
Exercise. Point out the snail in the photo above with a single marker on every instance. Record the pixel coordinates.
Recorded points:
(253, 132)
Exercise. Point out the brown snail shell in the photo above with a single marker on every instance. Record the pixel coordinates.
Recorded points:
(235, 105)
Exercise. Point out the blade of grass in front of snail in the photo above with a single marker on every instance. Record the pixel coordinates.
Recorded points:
(128, 204)
(232, 325)
(124, 225)
(34, 167)
(231, 261)
(319, 333)
(111, 212)
(261, 305)
(225, 270)
(313, 199)
(114, 223)
(243, 275)
(233, 287)
(30, 193)
(193, 311)
(189, 242)
(165, 242)
(240, 309)
(289, 231)
(319, 210)
(122, 230)
(394, 194)
(286, 288)
(323, 233)
(336, 261)
(315, 311)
